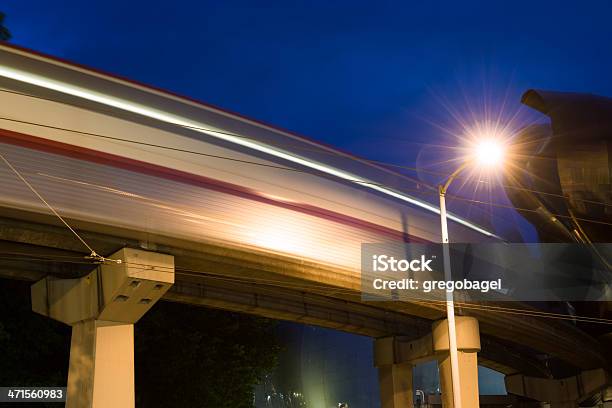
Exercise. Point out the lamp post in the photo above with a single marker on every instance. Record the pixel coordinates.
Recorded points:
(486, 153)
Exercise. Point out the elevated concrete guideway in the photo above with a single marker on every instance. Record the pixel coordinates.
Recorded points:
(270, 286)
(255, 219)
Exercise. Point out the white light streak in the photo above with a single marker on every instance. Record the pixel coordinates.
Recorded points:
(166, 117)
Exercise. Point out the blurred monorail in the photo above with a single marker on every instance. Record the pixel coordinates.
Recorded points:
(110, 151)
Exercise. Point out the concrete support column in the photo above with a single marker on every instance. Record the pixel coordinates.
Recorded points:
(468, 368)
(395, 357)
(101, 372)
(395, 382)
(468, 344)
(102, 308)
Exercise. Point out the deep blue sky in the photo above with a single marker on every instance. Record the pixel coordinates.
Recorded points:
(366, 76)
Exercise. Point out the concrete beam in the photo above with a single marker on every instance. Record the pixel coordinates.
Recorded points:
(559, 392)
(293, 305)
(400, 350)
(119, 292)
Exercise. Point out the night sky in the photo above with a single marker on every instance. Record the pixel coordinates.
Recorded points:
(370, 78)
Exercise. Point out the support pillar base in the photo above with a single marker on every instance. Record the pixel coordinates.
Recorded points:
(101, 372)
(395, 382)
(468, 345)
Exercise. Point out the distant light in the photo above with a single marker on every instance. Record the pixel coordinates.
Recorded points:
(489, 152)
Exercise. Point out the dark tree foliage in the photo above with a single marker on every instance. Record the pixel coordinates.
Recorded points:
(220, 355)
(34, 350)
(5, 34)
(185, 356)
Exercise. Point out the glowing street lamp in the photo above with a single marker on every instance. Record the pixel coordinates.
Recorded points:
(489, 153)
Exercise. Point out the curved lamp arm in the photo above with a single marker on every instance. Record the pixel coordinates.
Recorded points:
(453, 176)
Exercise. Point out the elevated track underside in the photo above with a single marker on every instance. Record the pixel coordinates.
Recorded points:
(269, 285)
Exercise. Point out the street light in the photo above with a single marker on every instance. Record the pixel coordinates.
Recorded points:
(487, 152)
